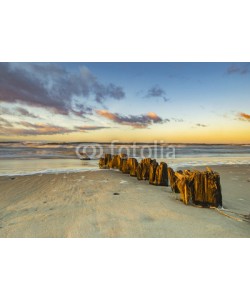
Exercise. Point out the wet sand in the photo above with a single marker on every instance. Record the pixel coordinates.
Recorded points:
(108, 203)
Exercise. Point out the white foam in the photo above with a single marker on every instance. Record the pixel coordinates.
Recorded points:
(52, 171)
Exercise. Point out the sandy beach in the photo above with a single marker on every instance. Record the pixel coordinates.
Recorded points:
(107, 203)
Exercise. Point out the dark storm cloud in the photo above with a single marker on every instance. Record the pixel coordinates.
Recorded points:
(156, 92)
(53, 87)
(136, 121)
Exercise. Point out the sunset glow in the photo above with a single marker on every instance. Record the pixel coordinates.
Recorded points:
(172, 102)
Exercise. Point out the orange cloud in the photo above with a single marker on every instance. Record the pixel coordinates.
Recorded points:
(136, 121)
(244, 117)
(107, 115)
(153, 116)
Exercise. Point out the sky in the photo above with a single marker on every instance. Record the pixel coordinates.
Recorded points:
(126, 102)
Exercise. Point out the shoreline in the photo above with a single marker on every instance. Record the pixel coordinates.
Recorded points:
(96, 168)
(108, 203)
(49, 173)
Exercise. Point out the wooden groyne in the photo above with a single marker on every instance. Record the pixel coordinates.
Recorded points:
(196, 187)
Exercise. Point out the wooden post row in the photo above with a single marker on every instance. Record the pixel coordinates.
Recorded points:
(200, 188)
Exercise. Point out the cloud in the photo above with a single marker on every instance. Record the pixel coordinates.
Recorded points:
(4, 123)
(201, 125)
(177, 120)
(242, 70)
(110, 90)
(31, 125)
(19, 111)
(54, 88)
(89, 128)
(136, 121)
(25, 128)
(81, 110)
(4, 111)
(243, 117)
(24, 112)
(34, 129)
(155, 92)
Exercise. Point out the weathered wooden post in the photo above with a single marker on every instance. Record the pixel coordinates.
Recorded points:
(207, 188)
(125, 166)
(139, 171)
(152, 171)
(184, 184)
(214, 188)
(145, 167)
(202, 188)
(161, 175)
(121, 159)
(132, 165)
(114, 163)
(104, 163)
(101, 162)
(172, 180)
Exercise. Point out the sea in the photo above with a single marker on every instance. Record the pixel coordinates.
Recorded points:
(27, 158)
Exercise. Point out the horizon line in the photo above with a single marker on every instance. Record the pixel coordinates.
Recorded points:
(122, 143)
